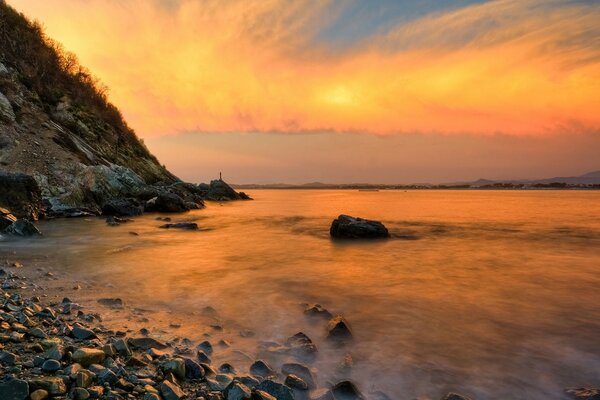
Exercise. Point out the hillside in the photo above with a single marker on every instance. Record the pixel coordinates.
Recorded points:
(58, 127)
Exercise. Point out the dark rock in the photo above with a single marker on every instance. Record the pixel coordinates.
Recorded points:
(88, 356)
(295, 382)
(261, 368)
(191, 226)
(193, 370)
(14, 389)
(338, 329)
(111, 302)
(227, 368)
(301, 371)
(346, 390)
(107, 376)
(80, 394)
(82, 333)
(218, 190)
(6, 218)
(55, 386)
(277, 390)
(21, 194)
(244, 196)
(203, 358)
(167, 203)
(302, 346)
(7, 358)
(316, 310)
(237, 391)
(171, 391)
(123, 208)
(262, 395)
(50, 366)
(206, 347)
(22, 227)
(146, 343)
(456, 396)
(347, 227)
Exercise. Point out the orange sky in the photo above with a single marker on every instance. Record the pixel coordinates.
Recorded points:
(516, 67)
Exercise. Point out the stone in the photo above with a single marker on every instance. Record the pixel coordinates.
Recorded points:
(84, 378)
(166, 203)
(122, 348)
(176, 366)
(300, 345)
(295, 382)
(96, 391)
(262, 395)
(301, 371)
(206, 347)
(14, 389)
(21, 194)
(82, 333)
(190, 226)
(23, 228)
(202, 357)
(107, 376)
(261, 368)
(37, 333)
(193, 370)
(347, 227)
(171, 391)
(146, 343)
(7, 358)
(50, 366)
(316, 310)
(111, 302)
(277, 390)
(6, 219)
(456, 396)
(88, 356)
(80, 394)
(237, 391)
(338, 329)
(346, 390)
(39, 394)
(122, 208)
(55, 386)
(55, 353)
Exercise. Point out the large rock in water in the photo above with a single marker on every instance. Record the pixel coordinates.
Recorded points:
(22, 227)
(166, 203)
(219, 190)
(6, 219)
(347, 227)
(21, 194)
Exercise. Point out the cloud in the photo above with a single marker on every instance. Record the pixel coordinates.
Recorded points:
(517, 67)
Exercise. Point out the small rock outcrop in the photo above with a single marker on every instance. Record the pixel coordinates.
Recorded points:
(21, 194)
(347, 227)
(23, 228)
(189, 226)
(219, 190)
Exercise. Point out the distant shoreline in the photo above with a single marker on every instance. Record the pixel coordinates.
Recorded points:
(390, 188)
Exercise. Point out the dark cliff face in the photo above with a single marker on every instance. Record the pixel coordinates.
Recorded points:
(57, 126)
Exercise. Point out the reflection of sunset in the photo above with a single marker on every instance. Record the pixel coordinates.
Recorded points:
(514, 67)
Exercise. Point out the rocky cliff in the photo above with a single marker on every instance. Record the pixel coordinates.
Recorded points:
(58, 128)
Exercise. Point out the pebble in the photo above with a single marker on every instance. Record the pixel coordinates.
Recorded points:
(50, 366)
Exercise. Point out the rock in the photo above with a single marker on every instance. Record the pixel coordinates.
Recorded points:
(302, 346)
(50, 366)
(107, 376)
(167, 203)
(96, 391)
(338, 329)
(347, 227)
(84, 378)
(80, 394)
(277, 390)
(111, 302)
(455, 396)
(7, 358)
(146, 343)
(37, 333)
(82, 333)
(261, 368)
(203, 358)
(122, 347)
(237, 391)
(21, 194)
(55, 386)
(6, 219)
(7, 113)
(39, 394)
(321, 394)
(301, 371)
(123, 208)
(14, 389)
(218, 190)
(295, 382)
(193, 370)
(316, 310)
(88, 356)
(22, 227)
(346, 390)
(171, 391)
(190, 226)
(206, 347)
(55, 352)
(176, 366)
(261, 395)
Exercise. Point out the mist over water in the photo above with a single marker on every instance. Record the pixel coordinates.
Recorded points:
(490, 293)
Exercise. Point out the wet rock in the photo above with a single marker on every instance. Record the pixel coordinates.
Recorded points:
(261, 395)
(277, 390)
(84, 379)
(295, 382)
(55, 386)
(14, 389)
(146, 343)
(193, 370)
(111, 302)
(80, 394)
(122, 348)
(7, 358)
(176, 366)
(347, 227)
(23, 228)
(88, 356)
(39, 394)
(338, 329)
(346, 390)
(107, 376)
(190, 226)
(6, 219)
(203, 358)
(166, 203)
(82, 333)
(321, 394)
(301, 371)
(316, 310)
(261, 368)
(21, 194)
(227, 368)
(218, 190)
(123, 208)
(302, 346)
(237, 391)
(50, 366)
(455, 396)
(206, 347)
(55, 352)
(171, 391)
(96, 391)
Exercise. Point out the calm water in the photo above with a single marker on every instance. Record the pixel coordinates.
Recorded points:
(494, 294)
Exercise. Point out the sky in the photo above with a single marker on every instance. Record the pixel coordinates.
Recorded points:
(385, 91)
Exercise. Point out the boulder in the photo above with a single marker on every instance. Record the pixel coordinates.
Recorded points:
(347, 227)
(301, 346)
(237, 391)
(21, 194)
(23, 228)
(166, 203)
(14, 389)
(301, 371)
(261, 368)
(122, 208)
(6, 219)
(171, 391)
(88, 356)
(338, 329)
(346, 390)
(219, 190)
(277, 390)
(55, 386)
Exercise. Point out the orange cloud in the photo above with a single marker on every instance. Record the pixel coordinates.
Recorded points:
(519, 67)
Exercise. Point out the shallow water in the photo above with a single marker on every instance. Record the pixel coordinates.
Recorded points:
(494, 294)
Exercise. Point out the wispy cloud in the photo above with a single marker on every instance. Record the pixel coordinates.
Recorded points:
(512, 66)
